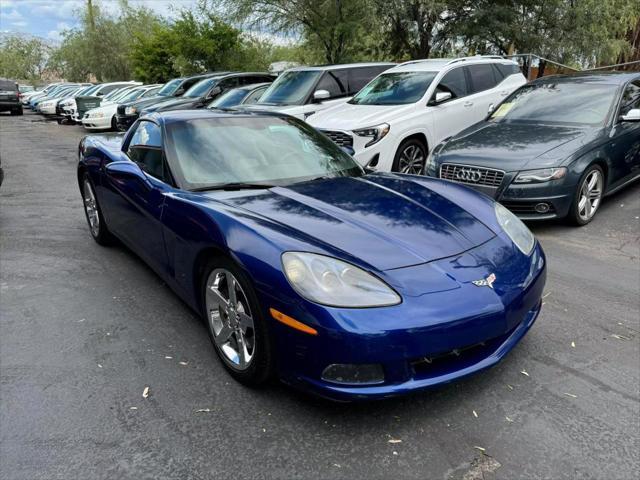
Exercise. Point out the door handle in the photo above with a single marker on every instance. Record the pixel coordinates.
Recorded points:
(468, 104)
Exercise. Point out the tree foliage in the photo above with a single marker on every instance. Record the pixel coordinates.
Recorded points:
(23, 58)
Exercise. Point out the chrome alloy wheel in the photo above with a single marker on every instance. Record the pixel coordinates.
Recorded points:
(91, 208)
(230, 319)
(411, 160)
(590, 195)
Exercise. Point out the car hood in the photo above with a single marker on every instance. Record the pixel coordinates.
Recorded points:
(511, 146)
(386, 221)
(172, 104)
(347, 116)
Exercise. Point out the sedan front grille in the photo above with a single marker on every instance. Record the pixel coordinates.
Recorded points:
(339, 138)
(471, 175)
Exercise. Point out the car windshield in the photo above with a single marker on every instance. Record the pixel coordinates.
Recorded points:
(558, 103)
(131, 95)
(290, 88)
(396, 88)
(210, 153)
(229, 99)
(170, 87)
(201, 88)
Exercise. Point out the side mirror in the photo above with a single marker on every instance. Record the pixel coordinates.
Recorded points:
(632, 115)
(99, 94)
(320, 95)
(123, 171)
(215, 91)
(179, 92)
(441, 97)
(492, 107)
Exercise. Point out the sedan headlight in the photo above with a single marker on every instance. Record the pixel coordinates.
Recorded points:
(96, 115)
(130, 111)
(332, 282)
(517, 231)
(541, 175)
(376, 133)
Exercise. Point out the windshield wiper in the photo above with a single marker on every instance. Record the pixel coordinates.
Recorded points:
(234, 186)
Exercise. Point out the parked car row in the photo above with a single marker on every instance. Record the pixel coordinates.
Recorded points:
(547, 149)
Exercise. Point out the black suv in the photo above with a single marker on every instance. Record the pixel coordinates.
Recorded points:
(10, 97)
(208, 89)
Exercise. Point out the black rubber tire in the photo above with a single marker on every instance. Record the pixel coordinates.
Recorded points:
(114, 125)
(17, 111)
(104, 236)
(406, 143)
(573, 217)
(262, 366)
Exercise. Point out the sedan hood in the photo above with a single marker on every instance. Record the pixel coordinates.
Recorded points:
(511, 146)
(172, 104)
(383, 220)
(349, 117)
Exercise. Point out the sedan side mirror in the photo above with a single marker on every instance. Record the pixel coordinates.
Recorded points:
(178, 92)
(632, 115)
(123, 171)
(492, 107)
(320, 95)
(215, 92)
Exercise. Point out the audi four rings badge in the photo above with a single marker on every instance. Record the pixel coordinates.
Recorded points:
(468, 175)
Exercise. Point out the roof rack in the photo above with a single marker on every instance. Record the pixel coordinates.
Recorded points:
(475, 57)
(454, 60)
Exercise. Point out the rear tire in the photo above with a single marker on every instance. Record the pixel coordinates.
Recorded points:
(114, 125)
(237, 329)
(17, 111)
(97, 225)
(411, 157)
(587, 197)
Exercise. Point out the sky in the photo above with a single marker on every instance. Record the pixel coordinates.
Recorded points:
(48, 18)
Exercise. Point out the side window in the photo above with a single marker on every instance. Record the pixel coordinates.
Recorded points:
(630, 98)
(507, 69)
(335, 82)
(482, 77)
(229, 83)
(359, 77)
(108, 89)
(145, 148)
(454, 82)
(254, 96)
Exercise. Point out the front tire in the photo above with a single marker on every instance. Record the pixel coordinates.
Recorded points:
(114, 126)
(236, 326)
(97, 225)
(411, 157)
(587, 197)
(17, 111)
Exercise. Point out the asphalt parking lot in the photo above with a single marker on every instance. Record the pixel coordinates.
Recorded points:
(85, 329)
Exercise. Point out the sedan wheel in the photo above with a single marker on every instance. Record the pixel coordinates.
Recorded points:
(91, 208)
(230, 319)
(588, 196)
(410, 158)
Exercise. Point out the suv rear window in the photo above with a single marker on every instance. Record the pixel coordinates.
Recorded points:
(8, 85)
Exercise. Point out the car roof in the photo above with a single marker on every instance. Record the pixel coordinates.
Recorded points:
(324, 68)
(608, 77)
(438, 64)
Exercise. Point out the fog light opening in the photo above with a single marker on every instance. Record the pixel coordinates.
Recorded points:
(541, 207)
(354, 374)
(374, 161)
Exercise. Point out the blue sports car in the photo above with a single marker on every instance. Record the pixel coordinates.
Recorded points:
(348, 284)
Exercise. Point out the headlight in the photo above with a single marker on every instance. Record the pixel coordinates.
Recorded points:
(542, 175)
(97, 115)
(517, 231)
(335, 283)
(376, 133)
(130, 111)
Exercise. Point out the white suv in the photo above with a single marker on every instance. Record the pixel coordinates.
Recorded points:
(391, 124)
(304, 91)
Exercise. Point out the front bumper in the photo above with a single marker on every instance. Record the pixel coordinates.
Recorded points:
(96, 123)
(433, 338)
(535, 201)
(124, 122)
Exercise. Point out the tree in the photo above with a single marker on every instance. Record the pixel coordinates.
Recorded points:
(332, 26)
(23, 58)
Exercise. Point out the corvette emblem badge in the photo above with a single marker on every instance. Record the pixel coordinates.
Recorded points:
(485, 282)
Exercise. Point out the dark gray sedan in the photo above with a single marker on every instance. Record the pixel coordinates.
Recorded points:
(552, 149)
